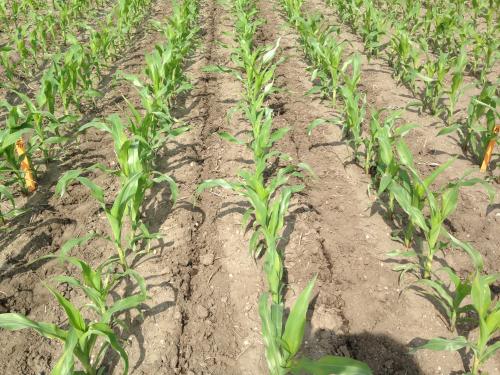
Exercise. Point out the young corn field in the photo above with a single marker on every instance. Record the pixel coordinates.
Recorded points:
(249, 187)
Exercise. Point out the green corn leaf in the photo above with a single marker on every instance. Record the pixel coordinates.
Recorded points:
(449, 129)
(269, 333)
(96, 125)
(15, 322)
(480, 295)
(174, 189)
(93, 294)
(404, 254)
(66, 179)
(74, 316)
(65, 364)
(432, 177)
(95, 190)
(295, 324)
(11, 138)
(439, 289)
(385, 181)
(449, 200)
(74, 242)
(490, 351)
(405, 154)
(475, 255)
(439, 344)
(402, 130)
(314, 124)
(314, 90)
(132, 79)
(230, 138)
(6, 193)
(493, 320)
(107, 333)
(404, 200)
(386, 153)
(216, 69)
(123, 304)
(209, 184)
(329, 365)
(452, 275)
(277, 135)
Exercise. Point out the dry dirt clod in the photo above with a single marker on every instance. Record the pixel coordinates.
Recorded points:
(202, 312)
(207, 259)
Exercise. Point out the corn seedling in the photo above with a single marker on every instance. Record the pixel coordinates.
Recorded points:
(413, 194)
(16, 161)
(488, 315)
(380, 144)
(456, 87)
(433, 74)
(404, 58)
(373, 28)
(86, 340)
(269, 199)
(7, 199)
(451, 300)
(135, 158)
(479, 127)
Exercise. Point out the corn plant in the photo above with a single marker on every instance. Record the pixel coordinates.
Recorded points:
(456, 87)
(373, 28)
(488, 316)
(354, 107)
(413, 194)
(166, 79)
(6, 62)
(12, 163)
(6, 197)
(324, 51)
(484, 54)
(269, 198)
(479, 126)
(46, 125)
(380, 143)
(135, 159)
(87, 340)
(433, 74)
(450, 300)
(404, 58)
(255, 69)
(411, 190)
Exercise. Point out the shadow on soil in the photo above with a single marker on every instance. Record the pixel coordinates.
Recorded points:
(381, 353)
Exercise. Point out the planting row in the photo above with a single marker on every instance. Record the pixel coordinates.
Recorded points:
(94, 328)
(411, 201)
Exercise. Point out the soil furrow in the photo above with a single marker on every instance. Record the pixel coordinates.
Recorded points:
(221, 326)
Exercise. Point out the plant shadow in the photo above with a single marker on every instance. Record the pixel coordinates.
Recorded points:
(382, 353)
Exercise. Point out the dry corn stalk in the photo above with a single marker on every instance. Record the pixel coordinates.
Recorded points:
(489, 150)
(31, 184)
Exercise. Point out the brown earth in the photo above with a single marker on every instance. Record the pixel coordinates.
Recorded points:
(202, 316)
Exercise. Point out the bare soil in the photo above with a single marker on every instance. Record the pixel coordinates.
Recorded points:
(202, 315)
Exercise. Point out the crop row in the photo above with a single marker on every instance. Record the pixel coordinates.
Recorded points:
(268, 191)
(410, 200)
(72, 77)
(93, 328)
(431, 54)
